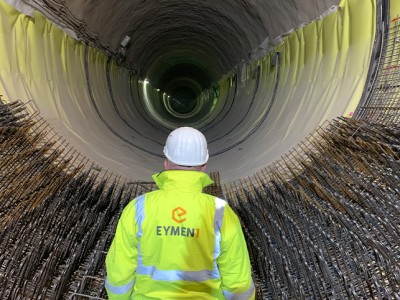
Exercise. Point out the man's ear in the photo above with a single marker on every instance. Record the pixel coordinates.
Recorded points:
(203, 168)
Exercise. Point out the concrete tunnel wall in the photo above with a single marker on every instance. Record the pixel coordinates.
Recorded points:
(265, 106)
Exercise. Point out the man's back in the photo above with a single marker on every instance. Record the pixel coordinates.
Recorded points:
(189, 244)
(178, 239)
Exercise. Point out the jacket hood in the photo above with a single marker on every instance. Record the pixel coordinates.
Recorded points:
(182, 180)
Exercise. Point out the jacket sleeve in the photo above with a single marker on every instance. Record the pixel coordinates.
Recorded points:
(121, 258)
(234, 262)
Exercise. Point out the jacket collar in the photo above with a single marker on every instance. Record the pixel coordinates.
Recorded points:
(183, 180)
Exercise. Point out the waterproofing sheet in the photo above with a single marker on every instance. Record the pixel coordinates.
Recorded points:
(277, 101)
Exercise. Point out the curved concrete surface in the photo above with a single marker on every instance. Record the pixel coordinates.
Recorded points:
(238, 72)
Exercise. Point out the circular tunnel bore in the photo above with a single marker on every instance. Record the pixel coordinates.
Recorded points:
(183, 84)
(211, 65)
(183, 101)
(183, 51)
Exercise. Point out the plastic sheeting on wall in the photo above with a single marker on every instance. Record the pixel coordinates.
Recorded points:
(394, 9)
(322, 72)
(41, 63)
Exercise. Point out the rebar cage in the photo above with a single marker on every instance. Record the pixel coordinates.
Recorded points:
(382, 104)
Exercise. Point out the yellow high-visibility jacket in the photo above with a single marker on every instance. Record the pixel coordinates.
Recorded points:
(179, 243)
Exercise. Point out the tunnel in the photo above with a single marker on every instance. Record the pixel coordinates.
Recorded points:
(298, 101)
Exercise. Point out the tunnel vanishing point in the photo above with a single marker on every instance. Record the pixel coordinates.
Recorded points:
(299, 101)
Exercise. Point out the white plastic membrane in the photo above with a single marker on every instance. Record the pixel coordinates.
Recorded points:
(322, 72)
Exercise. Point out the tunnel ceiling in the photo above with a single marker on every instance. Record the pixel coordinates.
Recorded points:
(210, 36)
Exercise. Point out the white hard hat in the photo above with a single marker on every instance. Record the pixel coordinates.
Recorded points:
(186, 146)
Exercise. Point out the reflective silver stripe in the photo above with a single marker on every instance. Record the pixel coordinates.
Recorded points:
(242, 296)
(218, 217)
(173, 275)
(139, 207)
(119, 289)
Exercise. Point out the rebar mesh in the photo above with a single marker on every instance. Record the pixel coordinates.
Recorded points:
(58, 213)
(323, 222)
(383, 102)
(332, 230)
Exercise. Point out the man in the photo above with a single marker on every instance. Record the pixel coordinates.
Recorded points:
(177, 242)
